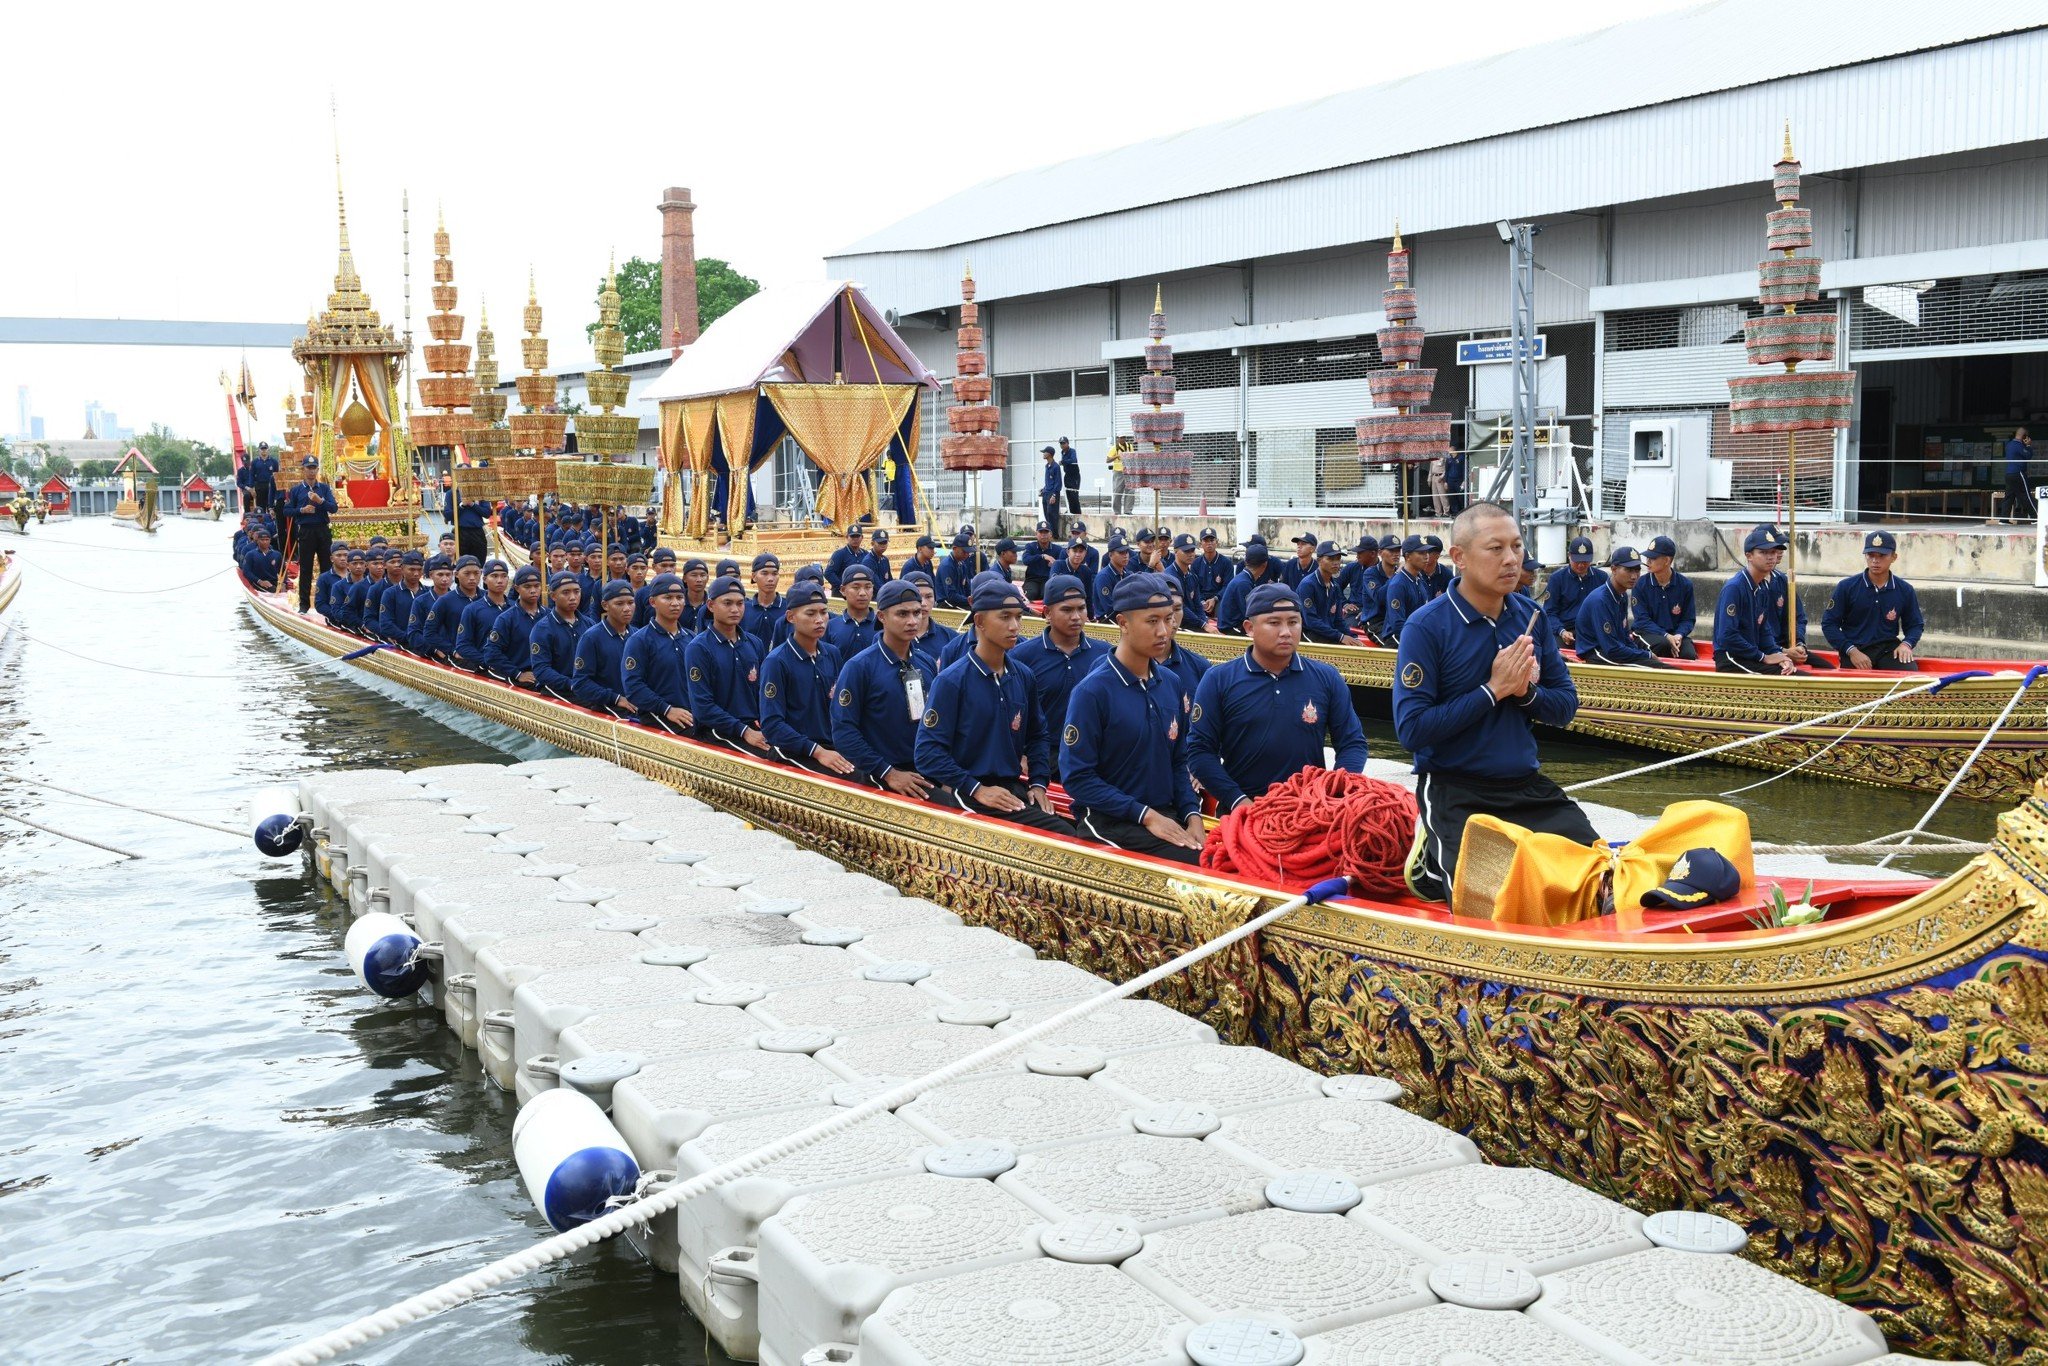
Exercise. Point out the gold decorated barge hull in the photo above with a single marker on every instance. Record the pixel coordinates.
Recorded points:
(1864, 1095)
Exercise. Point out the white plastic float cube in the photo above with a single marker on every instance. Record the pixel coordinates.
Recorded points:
(717, 931)
(671, 1102)
(438, 903)
(502, 966)
(717, 1233)
(1014, 982)
(1662, 1305)
(1035, 1313)
(1114, 1027)
(812, 886)
(1152, 1182)
(1024, 1110)
(757, 860)
(873, 915)
(405, 876)
(938, 945)
(830, 1258)
(912, 1050)
(1311, 1272)
(452, 775)
(782, 965)
(1223, 1078)
(1366, 1141)
(469, 931)
(322, 789)
(546, 1005)
(656, 1033)
(843, 1007)
(1449, 1333)
(667, 892)
(1542, 1221)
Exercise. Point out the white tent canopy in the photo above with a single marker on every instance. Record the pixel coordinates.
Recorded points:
(786, 335)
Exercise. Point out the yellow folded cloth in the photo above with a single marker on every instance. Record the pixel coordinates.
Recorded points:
(1516, 876)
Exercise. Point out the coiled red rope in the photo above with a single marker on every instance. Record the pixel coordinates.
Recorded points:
(1316, 824)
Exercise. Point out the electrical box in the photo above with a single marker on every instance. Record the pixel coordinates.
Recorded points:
(1669, 466)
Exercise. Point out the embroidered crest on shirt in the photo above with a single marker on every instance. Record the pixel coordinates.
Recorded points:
(696, 675)
(753, 675)
(768, 690)
(931, 719)
(631, 663)
(1173, 730)
(1072, 734)
(1016, 720)
(1308, 711)
(1411, 675)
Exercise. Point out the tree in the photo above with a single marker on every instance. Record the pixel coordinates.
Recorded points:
(719, 289)
(59, 464)
(96, 469)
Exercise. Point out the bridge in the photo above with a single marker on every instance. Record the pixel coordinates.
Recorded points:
(147, 332)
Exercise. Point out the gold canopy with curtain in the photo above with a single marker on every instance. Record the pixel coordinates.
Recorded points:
(686, 433)
(844, 428)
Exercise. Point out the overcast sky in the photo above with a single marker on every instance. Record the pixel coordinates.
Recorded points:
(177, 161)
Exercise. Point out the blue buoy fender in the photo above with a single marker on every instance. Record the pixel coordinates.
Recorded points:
(571, 1158)
(274, 821)
(385, 954)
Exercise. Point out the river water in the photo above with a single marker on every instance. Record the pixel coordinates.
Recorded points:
(212, 1142)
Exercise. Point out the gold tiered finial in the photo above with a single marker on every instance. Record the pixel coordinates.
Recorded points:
(606, 432)
(1158, 298)
(1788, 142)
(537, 428)
(1397, 235)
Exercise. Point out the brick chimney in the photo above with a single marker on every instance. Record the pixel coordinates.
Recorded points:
(678, 268)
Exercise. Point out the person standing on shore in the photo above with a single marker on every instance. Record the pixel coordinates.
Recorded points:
(1049, 490)
(1070, 473)
(2019, 477)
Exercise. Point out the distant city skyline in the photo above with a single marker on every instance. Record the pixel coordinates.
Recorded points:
(100, 420)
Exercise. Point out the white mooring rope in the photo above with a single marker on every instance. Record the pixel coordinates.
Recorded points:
(452, 1293)
(2017, 694)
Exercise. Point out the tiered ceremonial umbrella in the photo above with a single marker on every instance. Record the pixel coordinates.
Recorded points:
(975, 442)
(448, 386)
(1158, 425)
(1407, 436)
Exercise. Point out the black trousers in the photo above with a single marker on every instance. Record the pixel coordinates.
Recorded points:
(1049, 508)
(1130, 836)
(1444, 802)
(1883, 655)
(263, 496)
(1659, 644)
(1072, 475)
(315, 544)
(470, 540)
(1031, 815)
(1595, 657)
(2019, 497)
(1728, 664)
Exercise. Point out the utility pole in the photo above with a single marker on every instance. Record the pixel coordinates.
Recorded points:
(1521, 243)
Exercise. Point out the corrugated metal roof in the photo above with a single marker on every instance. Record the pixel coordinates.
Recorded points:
(1722, 45)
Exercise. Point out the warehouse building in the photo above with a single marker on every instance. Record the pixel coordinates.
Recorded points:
(1643, 152)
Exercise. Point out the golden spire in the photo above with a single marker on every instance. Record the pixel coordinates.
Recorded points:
(967, 270)
(1788, 142)
(531, 297)
(1397, 235)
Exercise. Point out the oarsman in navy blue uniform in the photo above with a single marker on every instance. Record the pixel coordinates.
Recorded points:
(1432, 569)
(796, 686)
(655, 664)
(1110, 575)
(1569, 587)
(1090, 557)
(1664, 611)
(923, 559)
(323, 587)
(1322, 599)
(845, 557)
(1358, 594)
(473, 631)
(1213, 571)
(1075, 564)
(1049, 487)
(1124, 749)
(725, 674)
(1006, 560)
(1408, 592)
(1747, 622)
(263, 476)
(600, 678)
(956, 573)
(882, 695)
(366, 594)
(1258, 569)
(1262, 719)
(662, 561)
(1040, 559)
(468, 520)
(937, 635)
(419, 627)
(1606, 616)
(262, 566)
(310, 502)
(1379, 578)
(1478, 670)
(982, 744)
(854, 629)
(1145, 551)
(878, 556)
(352, 564)
(1064, 653)
(1183, 569)
(1182, 661)
(506, 652)
(1293, 571)
(696, 578)
(395, 624)
(1780, 586)
(1873, 619)
(551, 646)
(765, 608)
(615, 564)
(444, 618)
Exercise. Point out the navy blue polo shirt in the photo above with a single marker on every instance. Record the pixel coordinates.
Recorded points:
(600, 677)
(1293, 572)
(1054, 672)
(473, 631)
(1322, 603)
(1407, 594)
(505, 648)
(1106, 580)
(1124, 749)
(1253, 729)
(764, 623)
(796, 698)
(982, 727)
(1213, 572)
(959, 645)
(1603, 625)
(1190, 666)
(1370, 593)
(1236, 594)
(1778, 586)
(850, 637)
(654, 668)
(444, 619)
(1664, 609)
(1566, 590)
(954, 577)
(1193, 618)
(1445, 715)
(262, 566)
(1862, 614)
(1745, 622)
(551, 651)
(843, 559)
(872, 724)
(937, 636)
(725, 683)
(419, 622)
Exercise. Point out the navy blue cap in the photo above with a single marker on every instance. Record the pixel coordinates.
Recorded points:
(1624, 557)
(1367, 545)
(1763, 538)
(1882, 541)
(1531, 563)
(1063, 588)
(1183, 542)
(617, 588)
(1435, 543)
(856, 573)
(469, 562)
(765, 560)
(495, 567)
(1117, 542)
(723, 584)
(987, 576)
(961, 540)
(855, 530)
(1080, 528)
(920, 579)
(1258, 536)
(1660, 545)
(1271, 597)
(1146, 535)
(662, 552)
(636, 558)
(1581, 551)
(1414, 545)
(1006, 544)
(311, 462)
(526, 573)
(260, 529)
(412, 557)
(996, 596)
(881, 535)
(1327, 550)
(1077, 544)
(1138, 592)
(664, 583)
(895, 593)
(1701, 877)
(1303, 538)
(1254, 552)
(690, 565)
(810, 571)
(1208, 533)
(927, 543)
(1043, 526)
(728, 568)
(564, 579)
(803, 594)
